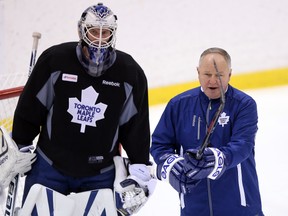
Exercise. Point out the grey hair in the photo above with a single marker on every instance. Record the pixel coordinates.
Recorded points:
(220, 51)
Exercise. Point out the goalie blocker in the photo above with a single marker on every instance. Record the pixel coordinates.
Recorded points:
(12, 160)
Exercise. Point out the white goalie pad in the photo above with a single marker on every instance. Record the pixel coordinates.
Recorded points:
(49, 202)
(41, 198)
(98, 202)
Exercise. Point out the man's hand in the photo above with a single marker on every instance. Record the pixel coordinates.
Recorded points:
(174, 170)
(211, 164)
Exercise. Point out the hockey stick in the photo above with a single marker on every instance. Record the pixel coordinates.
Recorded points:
(13, 186)
(215, 117)
(36, 36)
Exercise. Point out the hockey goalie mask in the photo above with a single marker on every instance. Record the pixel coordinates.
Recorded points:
(97, 31)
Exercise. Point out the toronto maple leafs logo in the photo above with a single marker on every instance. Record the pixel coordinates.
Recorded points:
(223, 119)
(86, 112)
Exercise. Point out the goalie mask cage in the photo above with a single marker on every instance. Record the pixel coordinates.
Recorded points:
(8, 102)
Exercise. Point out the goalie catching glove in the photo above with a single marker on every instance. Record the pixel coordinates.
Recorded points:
(133, 185)
(12, 160)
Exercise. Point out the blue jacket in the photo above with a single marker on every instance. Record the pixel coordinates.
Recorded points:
(183, 126)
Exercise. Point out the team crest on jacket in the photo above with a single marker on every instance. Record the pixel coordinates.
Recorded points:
(86, 112)
(223, 119)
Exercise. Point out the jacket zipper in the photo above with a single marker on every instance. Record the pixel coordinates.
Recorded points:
(208, 181)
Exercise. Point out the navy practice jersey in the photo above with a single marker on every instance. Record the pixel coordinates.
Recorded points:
(82, 119)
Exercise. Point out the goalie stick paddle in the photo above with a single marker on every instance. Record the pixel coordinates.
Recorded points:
(11, 196)
(13, 186)
(215, 117)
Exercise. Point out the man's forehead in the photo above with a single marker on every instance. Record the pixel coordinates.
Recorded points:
(210, 58)
(213, 56)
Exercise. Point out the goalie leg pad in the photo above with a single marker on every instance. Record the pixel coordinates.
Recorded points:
(97, 202)
(45, 201)
(49, 202)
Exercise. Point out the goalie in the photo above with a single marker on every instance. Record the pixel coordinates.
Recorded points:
(83, 99)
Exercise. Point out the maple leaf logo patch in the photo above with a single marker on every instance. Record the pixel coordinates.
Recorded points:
(86, 112)
(223, 119)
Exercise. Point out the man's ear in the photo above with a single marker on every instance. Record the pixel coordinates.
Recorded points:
(230, 73)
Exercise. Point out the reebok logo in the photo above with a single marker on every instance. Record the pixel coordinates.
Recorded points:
(111, 83)
(69, 77)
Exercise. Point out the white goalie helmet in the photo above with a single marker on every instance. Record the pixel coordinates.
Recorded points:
(97, 31)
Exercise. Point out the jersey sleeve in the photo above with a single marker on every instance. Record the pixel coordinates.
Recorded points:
(134, 133)
(30, 113)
